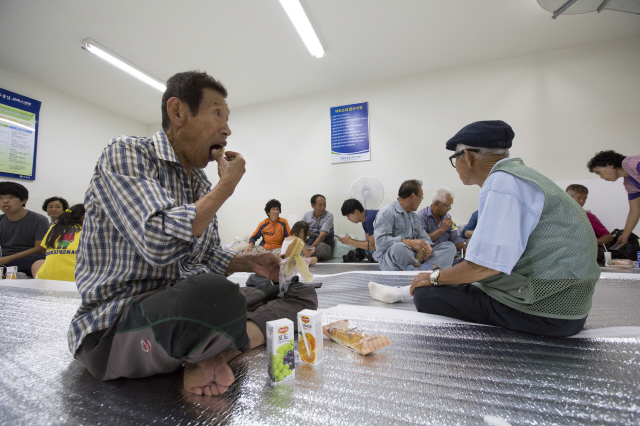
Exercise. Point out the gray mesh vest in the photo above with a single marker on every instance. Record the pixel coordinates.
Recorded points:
(557, 273)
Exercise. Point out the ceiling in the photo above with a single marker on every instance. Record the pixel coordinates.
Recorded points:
(252, 47)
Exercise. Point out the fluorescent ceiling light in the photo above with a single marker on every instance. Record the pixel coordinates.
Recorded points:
(119, 62)
(303, 26)
(15, 123)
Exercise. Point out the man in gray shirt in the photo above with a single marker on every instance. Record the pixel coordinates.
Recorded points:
(401, 242)
(21, 231)
(320, 227)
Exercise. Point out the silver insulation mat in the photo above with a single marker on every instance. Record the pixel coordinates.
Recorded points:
(324, 268)
(432, 374)
(615, 301)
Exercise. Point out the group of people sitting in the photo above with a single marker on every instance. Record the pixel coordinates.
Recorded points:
(32, 244)
(400, 239)
(315, 229)
(152, 274)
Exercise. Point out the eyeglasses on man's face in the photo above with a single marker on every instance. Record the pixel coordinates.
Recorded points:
(459, 153)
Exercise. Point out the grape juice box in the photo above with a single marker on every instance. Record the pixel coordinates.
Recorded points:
(310, 343)
(280, 340)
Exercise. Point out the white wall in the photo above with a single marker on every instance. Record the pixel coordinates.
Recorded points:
(71, 136)
(564, 106)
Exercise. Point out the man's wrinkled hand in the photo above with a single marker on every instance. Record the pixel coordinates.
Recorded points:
(423, 279)
(231, 166)
(446, 224)
(267, 265)
(427, 252)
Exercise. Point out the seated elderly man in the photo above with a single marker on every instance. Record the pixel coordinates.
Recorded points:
(150, 269)
(353, 210)
(532, 259)
(321, 228)
(401, 242)
(437, 221)
(580, 194)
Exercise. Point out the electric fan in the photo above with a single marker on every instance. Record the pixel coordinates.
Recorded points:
(368, 190)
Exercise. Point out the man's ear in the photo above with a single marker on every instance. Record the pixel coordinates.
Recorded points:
(176, 111)
(468, 157)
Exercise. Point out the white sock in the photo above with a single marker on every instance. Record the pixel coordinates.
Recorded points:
(405, 293)
(389, 294)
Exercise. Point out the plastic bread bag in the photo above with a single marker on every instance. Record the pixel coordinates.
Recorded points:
(354, 339)
(621, 263)
(292, 264)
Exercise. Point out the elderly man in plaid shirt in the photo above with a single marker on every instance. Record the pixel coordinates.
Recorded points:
(150, 268)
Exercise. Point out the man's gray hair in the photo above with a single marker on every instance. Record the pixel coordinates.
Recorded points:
(485, 152)
(440, 194)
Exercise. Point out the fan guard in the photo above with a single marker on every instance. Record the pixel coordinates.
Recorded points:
(368, 190)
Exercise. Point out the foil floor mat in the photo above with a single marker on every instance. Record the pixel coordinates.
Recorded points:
(615, 301)
(432, 374)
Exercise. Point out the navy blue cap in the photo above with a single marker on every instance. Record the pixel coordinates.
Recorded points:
(483, 134)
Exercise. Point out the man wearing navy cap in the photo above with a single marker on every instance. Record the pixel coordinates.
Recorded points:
(532, 259)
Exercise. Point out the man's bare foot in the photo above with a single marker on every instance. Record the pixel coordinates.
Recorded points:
(210, 377)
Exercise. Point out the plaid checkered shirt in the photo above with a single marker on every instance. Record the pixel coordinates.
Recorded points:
(136, 235)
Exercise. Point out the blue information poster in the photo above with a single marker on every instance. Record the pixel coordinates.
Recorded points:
(19, 118)
(350, 133)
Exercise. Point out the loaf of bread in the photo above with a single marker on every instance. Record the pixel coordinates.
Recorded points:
(353, 338)
(621, 263)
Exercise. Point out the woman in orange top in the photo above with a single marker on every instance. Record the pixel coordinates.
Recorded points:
(273, 230)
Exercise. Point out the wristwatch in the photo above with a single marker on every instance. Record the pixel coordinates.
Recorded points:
(434, 277)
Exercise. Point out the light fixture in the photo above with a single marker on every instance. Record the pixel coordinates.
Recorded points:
(573, 7)
(303, 26)
(121, 63)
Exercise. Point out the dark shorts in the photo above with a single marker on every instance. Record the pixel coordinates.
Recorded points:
(24, 263)
(193, 320)
(469, 303)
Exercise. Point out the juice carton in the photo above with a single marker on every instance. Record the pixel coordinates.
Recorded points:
(310, 343)
(12, 272)
(280, 338)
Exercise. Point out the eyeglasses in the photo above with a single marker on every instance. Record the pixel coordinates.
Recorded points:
(459, 153)
(447, 206)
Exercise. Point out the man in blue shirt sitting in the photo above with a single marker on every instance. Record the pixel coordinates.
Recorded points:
(353, 210)
(437, 221)
(467, 231)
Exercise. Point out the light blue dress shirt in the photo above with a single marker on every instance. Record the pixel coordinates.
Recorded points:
(509, 210)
